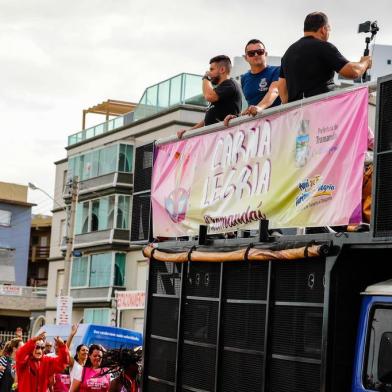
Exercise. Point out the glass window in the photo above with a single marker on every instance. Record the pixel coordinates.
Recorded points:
(82, 214)
(380, 324)
(107, 160)
(97, 316)
(90, 165)
(95, 215)
(125, 158)
(119, 269)
(123, 212)
(79, 271)
(5, 218)
(101, 270)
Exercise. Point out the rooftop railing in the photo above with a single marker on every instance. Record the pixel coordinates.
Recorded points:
(179, 90)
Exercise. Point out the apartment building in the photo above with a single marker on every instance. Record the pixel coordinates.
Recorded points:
(110, 161)
(21, 303)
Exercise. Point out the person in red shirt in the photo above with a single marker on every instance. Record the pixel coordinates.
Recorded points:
(34, 369)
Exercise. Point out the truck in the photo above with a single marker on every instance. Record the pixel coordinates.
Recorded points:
(292, 313)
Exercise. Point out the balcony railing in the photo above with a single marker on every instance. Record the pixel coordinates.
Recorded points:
(38, 253)
(181, 89)
(23, 291)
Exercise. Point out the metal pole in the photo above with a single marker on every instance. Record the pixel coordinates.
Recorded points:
(69, 237)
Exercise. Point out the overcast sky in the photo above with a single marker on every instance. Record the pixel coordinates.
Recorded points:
(58, 58)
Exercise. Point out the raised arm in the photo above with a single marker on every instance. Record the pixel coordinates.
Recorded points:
(23, 353)
(74, 329)
(59, 363)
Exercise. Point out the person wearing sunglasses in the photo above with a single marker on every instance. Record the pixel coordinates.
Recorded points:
(309, 65)
(35, 369)
(222, 92)
(260, 83)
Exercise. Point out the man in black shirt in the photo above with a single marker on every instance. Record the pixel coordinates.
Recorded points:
(224, 99)
(309, 64)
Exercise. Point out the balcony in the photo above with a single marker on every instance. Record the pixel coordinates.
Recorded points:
(23, 298)
(179, 90)
(38, 253)
(101, 186)
(102, 237)
(94, 294)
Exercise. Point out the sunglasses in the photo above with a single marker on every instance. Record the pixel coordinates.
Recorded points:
(39, 347)
(257, 52)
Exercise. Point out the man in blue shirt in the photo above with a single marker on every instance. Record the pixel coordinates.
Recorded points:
(260, 83)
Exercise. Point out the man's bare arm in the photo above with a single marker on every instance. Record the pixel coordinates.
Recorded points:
(266, 102)
(282, 88)
(353, 70)
(181, 132)
(208, 91)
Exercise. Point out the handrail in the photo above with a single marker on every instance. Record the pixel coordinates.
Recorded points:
(265, 113)
(25, 291)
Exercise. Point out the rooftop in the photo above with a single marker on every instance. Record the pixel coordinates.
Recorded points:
(181, 89)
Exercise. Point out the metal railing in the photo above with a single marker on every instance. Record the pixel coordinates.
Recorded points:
(5, 336)
(181, 89)
(39, 252)
(23, 291)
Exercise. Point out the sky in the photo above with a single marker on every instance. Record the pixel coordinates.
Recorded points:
(58, 58)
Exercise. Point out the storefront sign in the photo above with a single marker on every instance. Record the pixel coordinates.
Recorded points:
(130, 299)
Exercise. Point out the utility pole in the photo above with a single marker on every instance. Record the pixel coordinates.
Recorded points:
(70, 234)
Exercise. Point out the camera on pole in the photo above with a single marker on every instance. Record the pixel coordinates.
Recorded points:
(372, 28)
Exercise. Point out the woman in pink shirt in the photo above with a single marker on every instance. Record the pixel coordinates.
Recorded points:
(90, 378)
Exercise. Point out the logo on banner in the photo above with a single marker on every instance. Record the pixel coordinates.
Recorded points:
(176, 203)
(313, 188)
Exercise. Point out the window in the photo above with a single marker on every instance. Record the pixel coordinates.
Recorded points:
(82, 218)
(107, 160)
(5, 218)
(63, 230)
(379, 326)
(119, 269)
(79, 271)
(123, 212)
(102, 161)
(96, 270)
(65, 177)
(101, 270)
(389, 62)
(125, 158)
(98, 214)
(7, 265)
(147, 159)
(97, 316)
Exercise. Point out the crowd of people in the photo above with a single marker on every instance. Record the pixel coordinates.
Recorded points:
(34, 367)
(307, 69)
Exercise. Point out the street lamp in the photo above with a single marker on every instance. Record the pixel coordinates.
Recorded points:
(36, 188)
(70, 229)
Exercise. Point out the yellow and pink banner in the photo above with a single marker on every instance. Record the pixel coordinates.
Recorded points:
(300, 168)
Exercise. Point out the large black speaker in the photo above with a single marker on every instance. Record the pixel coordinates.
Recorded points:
(235, 326)
(141, 206)
(382, 177)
